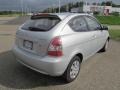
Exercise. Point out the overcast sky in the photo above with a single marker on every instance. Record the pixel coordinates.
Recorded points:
(38, 4)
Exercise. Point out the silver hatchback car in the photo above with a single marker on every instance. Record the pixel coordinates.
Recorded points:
(56, 44)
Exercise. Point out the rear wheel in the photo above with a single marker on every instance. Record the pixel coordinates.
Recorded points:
(73, 69)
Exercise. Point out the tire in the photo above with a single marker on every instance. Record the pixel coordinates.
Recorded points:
(104, 49)
(73, 69)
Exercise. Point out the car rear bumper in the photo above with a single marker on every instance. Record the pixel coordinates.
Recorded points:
(47, 65)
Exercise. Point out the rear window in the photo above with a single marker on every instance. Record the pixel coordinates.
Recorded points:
(41, 23)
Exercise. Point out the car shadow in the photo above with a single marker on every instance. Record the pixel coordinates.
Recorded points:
(15, 75)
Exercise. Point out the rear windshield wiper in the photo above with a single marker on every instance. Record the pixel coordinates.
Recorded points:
(36, 29)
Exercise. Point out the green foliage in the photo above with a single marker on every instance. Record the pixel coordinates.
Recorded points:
(9, 13)
(115, 13)
(64, 8)
(96, 13)
(107, 3)
(69, 6)
(111, 20)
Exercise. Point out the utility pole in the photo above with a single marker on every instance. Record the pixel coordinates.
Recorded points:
(59, 5)
(22, 9)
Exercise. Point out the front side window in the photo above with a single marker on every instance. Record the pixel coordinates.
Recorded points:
(78, 24)
(41, 24)
(92, 23)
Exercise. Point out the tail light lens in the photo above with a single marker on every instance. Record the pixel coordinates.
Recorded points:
(55, 47)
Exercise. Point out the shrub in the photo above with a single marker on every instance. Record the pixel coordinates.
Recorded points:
(96, 13)
(115, 13)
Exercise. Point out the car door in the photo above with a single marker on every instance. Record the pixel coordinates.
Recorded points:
(77, 37)
(98, 34)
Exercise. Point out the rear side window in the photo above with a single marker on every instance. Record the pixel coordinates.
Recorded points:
(78, 24)
(41, 23)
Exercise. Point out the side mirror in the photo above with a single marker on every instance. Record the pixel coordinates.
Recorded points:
(104, 27)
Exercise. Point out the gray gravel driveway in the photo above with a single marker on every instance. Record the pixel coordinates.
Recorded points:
(100, 72)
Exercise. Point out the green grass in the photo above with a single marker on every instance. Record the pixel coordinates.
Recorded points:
(110, 20)
(115, 34)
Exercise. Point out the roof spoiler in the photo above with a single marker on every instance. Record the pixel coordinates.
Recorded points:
(41, 15)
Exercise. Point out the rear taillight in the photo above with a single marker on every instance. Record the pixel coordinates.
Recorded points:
(55, 47)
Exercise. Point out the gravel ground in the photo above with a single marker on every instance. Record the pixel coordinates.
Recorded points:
(100, 72)
(114, 27)
(5, 19)
(17, 20)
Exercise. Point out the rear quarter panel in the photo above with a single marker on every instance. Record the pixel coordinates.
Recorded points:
(74, 43)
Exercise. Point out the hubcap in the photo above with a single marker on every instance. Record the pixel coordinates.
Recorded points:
(74, 69)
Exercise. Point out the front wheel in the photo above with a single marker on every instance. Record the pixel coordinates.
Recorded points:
(73, 69)
(104, 49)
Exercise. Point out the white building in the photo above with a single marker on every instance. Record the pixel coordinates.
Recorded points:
(102, 9)
(114, 9)
(73, 10)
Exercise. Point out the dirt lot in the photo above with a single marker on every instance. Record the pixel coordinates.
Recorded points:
(7, 35)
(114, 27)
(5, 19)
(100, 72)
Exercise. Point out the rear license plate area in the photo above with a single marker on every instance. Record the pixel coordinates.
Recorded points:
(28, 44)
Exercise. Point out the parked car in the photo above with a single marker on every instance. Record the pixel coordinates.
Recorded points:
(57, 44)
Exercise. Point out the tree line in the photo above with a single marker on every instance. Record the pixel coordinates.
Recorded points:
(69, 6)
(65, 8)
(9, 12)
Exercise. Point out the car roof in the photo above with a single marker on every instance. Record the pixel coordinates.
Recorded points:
(64, 15)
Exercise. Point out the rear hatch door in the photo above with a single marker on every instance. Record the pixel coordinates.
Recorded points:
(35, 35)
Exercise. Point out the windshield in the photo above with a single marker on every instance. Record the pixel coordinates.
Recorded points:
(41, 24)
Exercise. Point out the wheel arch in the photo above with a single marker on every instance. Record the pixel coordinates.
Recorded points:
(80, 56)
(65, 75)
(108, 38)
